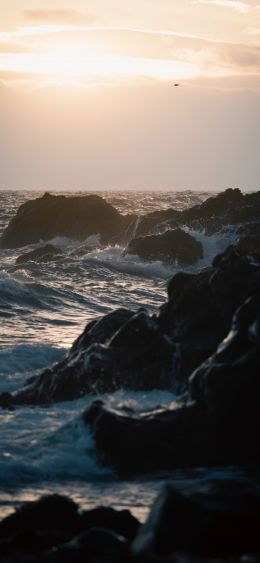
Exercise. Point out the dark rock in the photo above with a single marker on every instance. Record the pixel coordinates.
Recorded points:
(155, 222)
(95, 543)
(152, 442)
(54, 512)
(51, 216)
(171, 246)
(46, 253)
(122, 350)
(228, 208)
(228, 386)
(200, 308)
(121, 522)
(222, 521)
(55, 522)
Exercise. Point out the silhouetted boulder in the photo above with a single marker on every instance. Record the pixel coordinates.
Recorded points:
(55, 523)
(221, 521)
(171, 246)
(75, 217)
(45, 253)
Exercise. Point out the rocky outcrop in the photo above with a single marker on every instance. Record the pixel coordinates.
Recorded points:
(220, 427)
(230, 208)
(171, 247)
(200, 306)
(137, 351)
(75, 217)
(227, 385)
(46, 253)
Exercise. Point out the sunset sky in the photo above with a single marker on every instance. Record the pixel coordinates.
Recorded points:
(87, 95)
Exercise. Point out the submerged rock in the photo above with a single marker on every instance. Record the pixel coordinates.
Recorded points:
(45, 253)
(76, 217)
(171, 246)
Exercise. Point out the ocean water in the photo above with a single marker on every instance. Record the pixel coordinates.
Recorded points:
(43, 308)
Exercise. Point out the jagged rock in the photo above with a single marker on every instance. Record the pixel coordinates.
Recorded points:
(171, 246)
(121, 350)
(200, 307)
(75, 217)
(221, 521)
(230, 208)
(45, 253)
(228, 386)
(161, 440)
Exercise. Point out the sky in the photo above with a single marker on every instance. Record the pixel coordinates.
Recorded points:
(88, 97)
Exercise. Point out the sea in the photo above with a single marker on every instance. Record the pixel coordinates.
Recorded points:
(43, 308)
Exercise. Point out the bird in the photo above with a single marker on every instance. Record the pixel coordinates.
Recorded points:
(176, 84)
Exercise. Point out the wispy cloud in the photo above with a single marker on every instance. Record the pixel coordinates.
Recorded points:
(237, 5)
(58, 16)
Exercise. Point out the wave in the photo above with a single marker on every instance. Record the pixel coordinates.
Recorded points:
(26, 357)
(112, 257)
(52, 444)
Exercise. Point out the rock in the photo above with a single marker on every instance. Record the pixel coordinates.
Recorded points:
(221, 521)
(95, 543)
(45, 253)
(200, 307)
(75, 217)
(162, 440)
(155, 222)
(55, 522)
(53, 512)
(228, 208)
(228, 386)
(122, 350)
(171, 246)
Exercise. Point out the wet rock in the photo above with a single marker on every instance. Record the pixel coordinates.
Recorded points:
(228, 386)
(46, 253)
(161, 440)
(156, 222)
(230, 208)
(200, 307)
(171, 246)
(75, 217)
(221, 521)
(123, 350)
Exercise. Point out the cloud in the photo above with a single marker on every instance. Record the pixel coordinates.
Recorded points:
(72, 17)
(237, 5)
